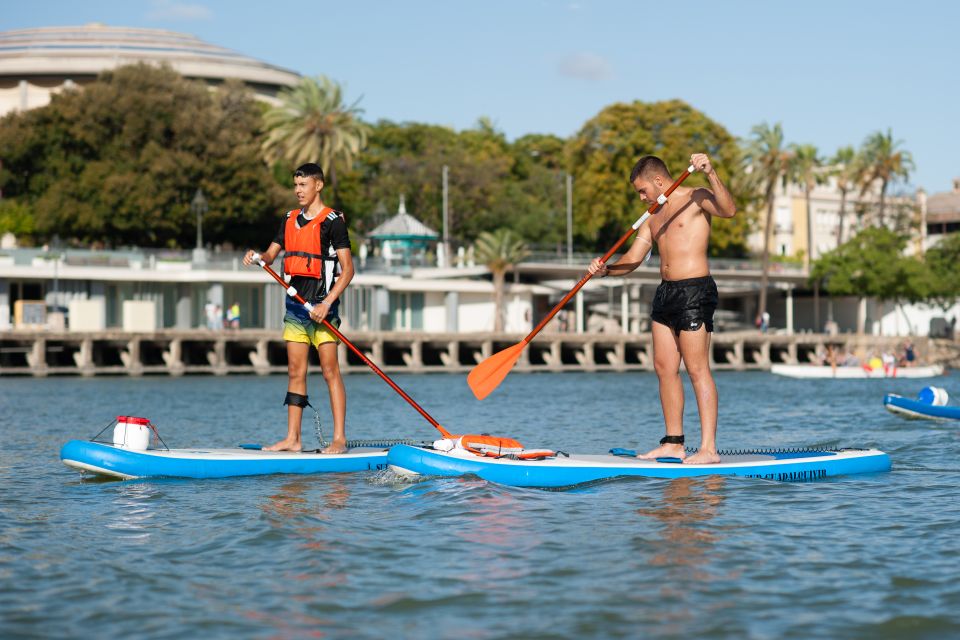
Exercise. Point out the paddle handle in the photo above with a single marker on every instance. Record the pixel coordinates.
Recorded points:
(292, 292)
(661, 200)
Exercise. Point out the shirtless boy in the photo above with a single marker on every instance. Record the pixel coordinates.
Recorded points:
(684, 303)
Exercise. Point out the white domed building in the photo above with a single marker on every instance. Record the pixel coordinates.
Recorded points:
(35, 63)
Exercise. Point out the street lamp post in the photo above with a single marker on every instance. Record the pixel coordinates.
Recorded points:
(446, 217)
(569, 219)
(199, 207)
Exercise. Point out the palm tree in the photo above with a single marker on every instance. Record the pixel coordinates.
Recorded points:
(804, 170)
(848, 171)
(767, 161)
(500, 251)
(885, 161)
(312, 124)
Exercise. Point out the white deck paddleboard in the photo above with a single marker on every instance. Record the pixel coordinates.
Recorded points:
(576, 469)
(119, 462)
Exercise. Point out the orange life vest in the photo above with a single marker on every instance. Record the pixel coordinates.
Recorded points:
(304, 253)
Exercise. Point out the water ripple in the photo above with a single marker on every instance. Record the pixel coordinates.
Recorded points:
(363, 556)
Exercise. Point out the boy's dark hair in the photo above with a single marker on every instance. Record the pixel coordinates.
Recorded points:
(649, 166)
(309, 170)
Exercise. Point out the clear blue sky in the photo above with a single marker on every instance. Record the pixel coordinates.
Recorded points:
(830, 71)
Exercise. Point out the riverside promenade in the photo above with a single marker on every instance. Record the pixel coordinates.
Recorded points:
(257, 351)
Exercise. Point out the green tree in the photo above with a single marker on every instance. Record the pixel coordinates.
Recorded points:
(16, 218)
(847, 169)
(942, 260)
(492, 183)
(604, 151)
(118, 161)
(886, 161)
(312, 123)
(872, 264)
(804, 169)
(499, 251)
(768, 161)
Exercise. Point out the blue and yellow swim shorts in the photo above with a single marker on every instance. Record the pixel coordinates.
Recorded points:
(298, 327)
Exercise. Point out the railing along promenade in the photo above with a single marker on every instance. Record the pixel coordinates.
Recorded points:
(257, 351)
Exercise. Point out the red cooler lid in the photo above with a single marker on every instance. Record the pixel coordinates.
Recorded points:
(136, 420)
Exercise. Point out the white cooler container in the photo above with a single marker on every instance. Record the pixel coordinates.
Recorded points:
(132, 433)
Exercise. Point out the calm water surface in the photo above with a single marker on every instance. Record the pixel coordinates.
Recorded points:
(363, 556)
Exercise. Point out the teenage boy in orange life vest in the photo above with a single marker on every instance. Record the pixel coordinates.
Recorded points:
(318, 261)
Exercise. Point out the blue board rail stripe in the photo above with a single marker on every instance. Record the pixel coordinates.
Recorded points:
(787, 467)
(901, 405)
(115, 461)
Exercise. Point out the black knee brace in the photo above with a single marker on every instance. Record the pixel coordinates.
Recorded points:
(296, 400)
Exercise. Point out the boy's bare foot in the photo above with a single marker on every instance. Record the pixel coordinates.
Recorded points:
(285, 445)
(703, 457)
(665, 451)
(336, 447)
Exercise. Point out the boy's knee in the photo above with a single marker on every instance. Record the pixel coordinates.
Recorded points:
(330, 372)
(666, 367)
(699, 372)
(297, 371)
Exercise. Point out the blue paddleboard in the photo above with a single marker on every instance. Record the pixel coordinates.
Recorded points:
(119, 462)
(577, 469)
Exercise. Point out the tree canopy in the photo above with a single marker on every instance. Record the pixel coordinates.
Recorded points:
(492, 183)
(604, 151)
(118, 161)
(872, 264)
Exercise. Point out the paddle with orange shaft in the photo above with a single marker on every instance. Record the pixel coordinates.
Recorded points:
(487, 376)
(292, 292)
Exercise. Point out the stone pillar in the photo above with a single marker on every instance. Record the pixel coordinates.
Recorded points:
(259, 359)
(581, 321)
(790, 311)
(762, 355)
(4, 304)
(131, 357)
(452, 300)
(377, 351)
(173, 357)
(449, 357)
(619, 356)
(416, 354)
(738, 361)
(84, 358)
(184, 315)
(37, 357)
(219, 360)
(585, 357)
(624, 309)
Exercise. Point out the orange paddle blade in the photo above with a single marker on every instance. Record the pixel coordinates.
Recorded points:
(487, 376)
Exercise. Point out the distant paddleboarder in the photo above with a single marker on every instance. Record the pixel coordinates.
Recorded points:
(686, 299)
(317, 258)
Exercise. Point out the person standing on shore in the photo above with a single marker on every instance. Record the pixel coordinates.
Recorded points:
(318, 261)
(686, 299)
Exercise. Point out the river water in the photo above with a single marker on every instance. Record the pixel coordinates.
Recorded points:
(371, 556)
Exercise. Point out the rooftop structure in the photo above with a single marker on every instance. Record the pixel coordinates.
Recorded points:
(35, 63)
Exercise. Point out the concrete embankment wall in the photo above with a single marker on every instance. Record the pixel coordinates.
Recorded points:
(173, 352)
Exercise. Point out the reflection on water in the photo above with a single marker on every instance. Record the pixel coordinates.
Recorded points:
(687, 507)
(499, 535)
(686, 546)
(133, 511)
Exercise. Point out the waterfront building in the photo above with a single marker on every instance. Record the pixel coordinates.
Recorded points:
(36, 63)
(402, 240)
(147, 290)
(835, 220)
(940, 214)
